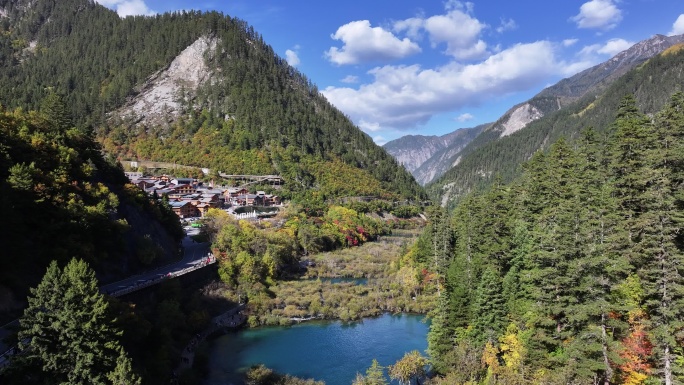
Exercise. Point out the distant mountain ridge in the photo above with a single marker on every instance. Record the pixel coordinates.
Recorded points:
(431, 156)
(413, 151)
(591, 81)
(651, 70)
(598, 77)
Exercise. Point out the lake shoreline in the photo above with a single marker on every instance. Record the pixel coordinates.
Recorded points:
(236, 350)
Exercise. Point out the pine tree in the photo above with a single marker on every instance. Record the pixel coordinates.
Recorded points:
(489, 312)
(55, 111)
(66, 330)
(555, 233)
(658, 232)
(441, 335)
(375, 374)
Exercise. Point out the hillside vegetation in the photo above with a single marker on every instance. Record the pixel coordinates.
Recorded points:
(572, 273)
(256, 114)
(652, 83)
(62, 199)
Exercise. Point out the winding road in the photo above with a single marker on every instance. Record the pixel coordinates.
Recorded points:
(195, 256)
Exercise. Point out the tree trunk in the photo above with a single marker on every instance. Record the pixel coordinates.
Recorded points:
(668, 365)
(604, 348)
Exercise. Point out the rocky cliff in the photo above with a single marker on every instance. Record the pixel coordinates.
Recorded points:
(164, 94)
(428, 157)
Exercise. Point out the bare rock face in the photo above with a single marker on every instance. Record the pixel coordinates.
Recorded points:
(428, 157)
(159, 99)
(519, 118)
(413, 150)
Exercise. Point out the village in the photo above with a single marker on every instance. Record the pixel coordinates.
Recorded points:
(190, 198)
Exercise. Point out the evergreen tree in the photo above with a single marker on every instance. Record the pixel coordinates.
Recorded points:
(556, 248)
(374, 375)
(657, 232)
(598, 270)
(489, 312)
(55, 111)
(66, 332)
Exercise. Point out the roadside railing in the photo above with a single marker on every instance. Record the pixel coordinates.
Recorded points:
(150, 282)
(6, 356)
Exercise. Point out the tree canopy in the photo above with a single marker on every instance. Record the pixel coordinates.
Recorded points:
(571, 274)
(67, 334)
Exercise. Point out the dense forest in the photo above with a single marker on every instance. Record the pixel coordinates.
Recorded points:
(571, 273)
(486, 159)
(62, 199)
(567, 270)
(257, 114)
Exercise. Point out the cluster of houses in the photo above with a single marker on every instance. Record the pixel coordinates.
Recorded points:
(190, 198)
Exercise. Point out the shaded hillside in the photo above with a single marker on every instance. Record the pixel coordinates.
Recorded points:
(248, 112)
(62, 199)
(652, 83)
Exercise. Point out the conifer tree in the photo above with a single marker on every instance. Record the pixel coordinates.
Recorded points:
(490, 309)
(599, 269)
(67, 333)
(658, 234)
(556, 246)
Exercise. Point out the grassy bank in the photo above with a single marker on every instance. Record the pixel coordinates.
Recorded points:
(390, 284)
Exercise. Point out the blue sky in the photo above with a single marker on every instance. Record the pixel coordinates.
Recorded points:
(405, 67)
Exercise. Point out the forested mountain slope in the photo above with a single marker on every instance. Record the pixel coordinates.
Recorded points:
(62, 199)
(248, 112)
(490, 154)
(571, 274)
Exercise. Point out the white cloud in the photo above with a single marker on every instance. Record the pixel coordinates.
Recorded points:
(678, 26)
(611, 48)
(379, 140)
(350, 79)
(460, 31)
(108, 3)
(369, 126)
(291, 57)
(412, 27)
(569, 42)
(128, 7)
(593, 54)
(601, 14)
(457, 28)
(465, 117)
(615, 46)
(506, 25)
(363, 43)
(570, 69)
(403, 97)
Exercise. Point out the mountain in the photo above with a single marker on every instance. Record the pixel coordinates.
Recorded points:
(417, 153)
(413, 151)
(535, 268)
(448, 157)
(588, 99)
(193, 88)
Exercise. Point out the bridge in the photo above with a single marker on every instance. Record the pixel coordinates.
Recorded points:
(195, 256)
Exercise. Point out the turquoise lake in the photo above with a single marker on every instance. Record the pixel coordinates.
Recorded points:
(330, 351)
